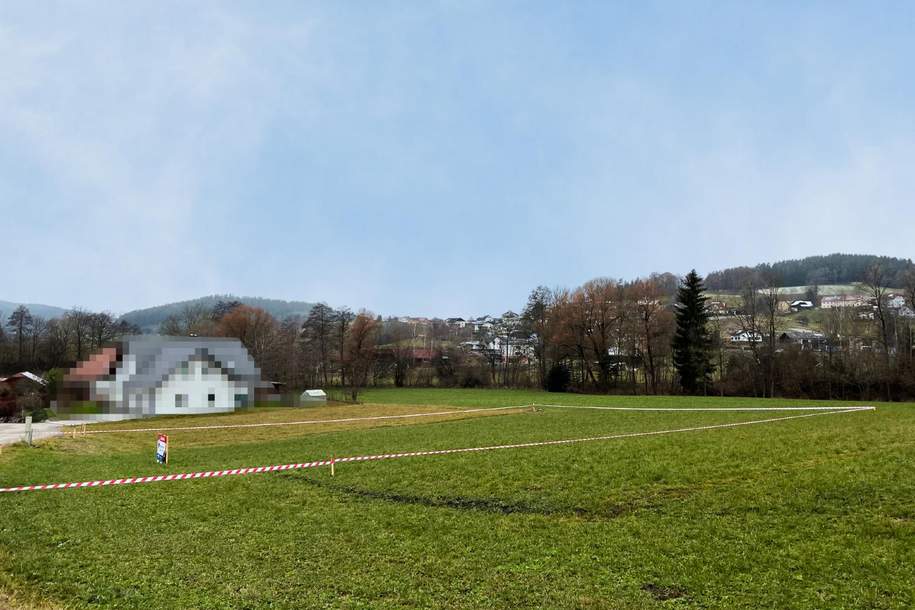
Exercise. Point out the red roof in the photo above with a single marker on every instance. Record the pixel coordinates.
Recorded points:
(97, 365)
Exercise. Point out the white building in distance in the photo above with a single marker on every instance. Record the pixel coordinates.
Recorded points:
(147, 375)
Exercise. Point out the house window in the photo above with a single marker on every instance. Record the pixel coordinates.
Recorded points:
(211, 400)
(180, 400)
(241, 400)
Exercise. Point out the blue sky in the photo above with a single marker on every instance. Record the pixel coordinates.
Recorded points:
(441, 158)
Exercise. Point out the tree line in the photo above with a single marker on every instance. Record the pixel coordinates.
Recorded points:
(32, 342)
(653, 335)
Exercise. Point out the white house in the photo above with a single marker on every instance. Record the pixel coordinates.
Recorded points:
(842, 300)
(147, 375)
(895, 301)
(746, 337)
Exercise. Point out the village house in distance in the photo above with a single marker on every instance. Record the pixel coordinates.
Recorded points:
(146, 375)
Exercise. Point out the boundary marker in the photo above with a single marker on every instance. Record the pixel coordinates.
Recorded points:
(386, 456)
(688, 409)
(445, 413)
(302, 422)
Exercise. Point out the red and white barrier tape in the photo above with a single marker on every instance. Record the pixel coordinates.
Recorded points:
(445, 413)
(691, 409)
(387, 456)
(303, 422)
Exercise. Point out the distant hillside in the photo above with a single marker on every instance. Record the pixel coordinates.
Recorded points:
(149, 319)
(818, 270)
(36, 309)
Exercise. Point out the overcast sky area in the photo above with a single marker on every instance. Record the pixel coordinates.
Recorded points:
(441, 158)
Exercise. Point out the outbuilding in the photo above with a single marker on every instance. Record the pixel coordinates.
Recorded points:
(313, 397)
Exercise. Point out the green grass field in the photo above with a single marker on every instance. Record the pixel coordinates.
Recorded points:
(816, 512)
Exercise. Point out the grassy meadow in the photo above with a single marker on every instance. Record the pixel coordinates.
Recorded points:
(813, 512)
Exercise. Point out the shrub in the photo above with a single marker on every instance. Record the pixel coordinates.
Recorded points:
(558, 378)
(32, 404)
(472, 380)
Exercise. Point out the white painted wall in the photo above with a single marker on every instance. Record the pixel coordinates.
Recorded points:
(197, 381)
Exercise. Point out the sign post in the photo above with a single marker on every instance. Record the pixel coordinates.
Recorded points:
(162, 449)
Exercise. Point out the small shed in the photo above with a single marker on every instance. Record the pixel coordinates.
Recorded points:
(313, 397)
(26, 376)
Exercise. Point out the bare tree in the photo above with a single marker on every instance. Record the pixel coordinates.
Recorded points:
(770, 298)
(910, 298)
(401, 352)
(342, 319)
(171, 326)
(359, 350)
(102, 328)
(718, 346)
(653, 326)
(197, 319)
(601, 306)
(78, 321)
(36, 336)
(253, 326)
(910, 288)
(876, 284)
(749, 320)
(536, 318)
(57, 343)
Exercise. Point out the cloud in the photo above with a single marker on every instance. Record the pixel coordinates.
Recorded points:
(436, 159)
(127, 126)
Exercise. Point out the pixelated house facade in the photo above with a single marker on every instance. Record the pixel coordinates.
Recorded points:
(147, 375)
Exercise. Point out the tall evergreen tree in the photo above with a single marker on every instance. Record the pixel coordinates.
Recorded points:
(692, 342)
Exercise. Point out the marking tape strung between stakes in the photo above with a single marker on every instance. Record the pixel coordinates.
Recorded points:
(303, 422)
(444, 413)
(731, 409)
(387, 456)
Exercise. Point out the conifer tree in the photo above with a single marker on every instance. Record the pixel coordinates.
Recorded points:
(692, 342)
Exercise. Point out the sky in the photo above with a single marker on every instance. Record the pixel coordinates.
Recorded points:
(441, 158)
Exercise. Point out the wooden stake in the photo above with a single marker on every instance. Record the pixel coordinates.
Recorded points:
(331, 465)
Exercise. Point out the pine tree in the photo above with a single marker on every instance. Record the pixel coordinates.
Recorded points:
(692, 342)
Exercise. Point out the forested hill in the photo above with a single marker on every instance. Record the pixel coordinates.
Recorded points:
(149, 319)
(830, 269)
(36, 309)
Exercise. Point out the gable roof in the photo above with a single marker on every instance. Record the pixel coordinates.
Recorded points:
(23, 375)
(154, 357)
